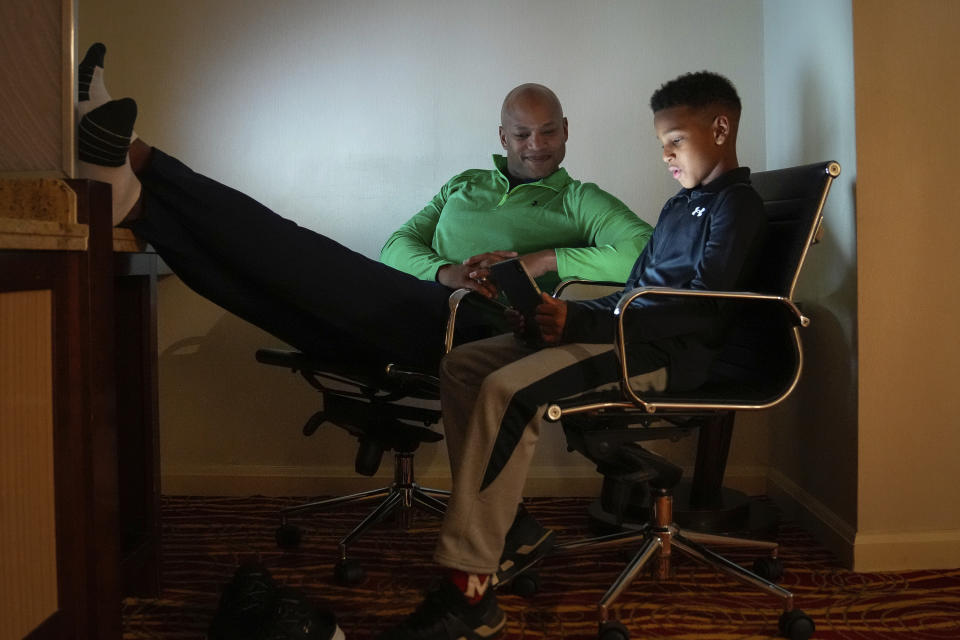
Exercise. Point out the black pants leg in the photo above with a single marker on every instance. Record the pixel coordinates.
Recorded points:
(224, 287)
(297, 284)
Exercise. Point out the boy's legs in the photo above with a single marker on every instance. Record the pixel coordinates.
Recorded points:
(493, 394)
(492, 423)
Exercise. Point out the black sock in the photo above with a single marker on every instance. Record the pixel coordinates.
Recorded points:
(103, 136)
(92, 60)
(103, 142)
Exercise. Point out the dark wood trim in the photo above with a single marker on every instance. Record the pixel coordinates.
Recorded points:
(86, 557)
(81, 285)
(95, 209)
(127, 287)
(138, 415)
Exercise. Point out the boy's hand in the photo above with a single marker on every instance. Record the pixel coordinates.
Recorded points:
(516, 321)
(552, 317)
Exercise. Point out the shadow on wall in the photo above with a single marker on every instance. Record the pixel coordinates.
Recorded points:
(220, 409)
(818, 449)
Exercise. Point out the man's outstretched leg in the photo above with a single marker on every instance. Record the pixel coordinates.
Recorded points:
(382, 309)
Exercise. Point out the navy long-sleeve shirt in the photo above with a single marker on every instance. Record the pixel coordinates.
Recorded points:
(706, 238)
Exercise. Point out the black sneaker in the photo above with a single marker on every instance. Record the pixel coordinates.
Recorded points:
(446, 614)
(245, 605)
(295, 618)
(526, 543)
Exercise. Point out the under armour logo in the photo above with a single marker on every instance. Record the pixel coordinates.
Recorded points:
(476, 586)
(698, 211)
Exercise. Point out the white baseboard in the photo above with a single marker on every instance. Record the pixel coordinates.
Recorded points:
(229, 480)
(911, 550)
(830, 529)
(865, 552)
(236, 480)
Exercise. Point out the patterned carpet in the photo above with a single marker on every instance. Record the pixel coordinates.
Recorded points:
(206, 538)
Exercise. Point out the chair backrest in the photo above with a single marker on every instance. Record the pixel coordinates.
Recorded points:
(761, 359)
(793, 200)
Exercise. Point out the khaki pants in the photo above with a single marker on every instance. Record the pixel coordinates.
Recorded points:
(494, 393)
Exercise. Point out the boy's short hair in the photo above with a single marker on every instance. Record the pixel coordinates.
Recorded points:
(698, 89)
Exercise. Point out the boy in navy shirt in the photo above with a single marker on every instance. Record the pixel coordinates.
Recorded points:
(494, 392)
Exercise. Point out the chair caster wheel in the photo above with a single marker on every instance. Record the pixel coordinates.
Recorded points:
(796, 625)
(288, 536)
(768, 568)
(613, 630)
(526, 585)
(348, 573)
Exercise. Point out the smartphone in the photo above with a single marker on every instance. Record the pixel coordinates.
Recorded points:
(513, 279)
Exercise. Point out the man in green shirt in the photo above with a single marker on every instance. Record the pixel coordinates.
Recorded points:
(527, 205)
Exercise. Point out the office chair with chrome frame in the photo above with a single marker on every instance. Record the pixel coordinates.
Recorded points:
(373, 404)
(758, 368)
(368, 404)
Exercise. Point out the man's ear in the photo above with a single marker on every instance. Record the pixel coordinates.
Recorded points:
(566, 131)
(721, 128)
(503, 138)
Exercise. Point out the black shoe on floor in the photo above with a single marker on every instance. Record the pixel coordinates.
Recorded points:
(245, 605)
(446, 614)
(295, 618)
(526, 543)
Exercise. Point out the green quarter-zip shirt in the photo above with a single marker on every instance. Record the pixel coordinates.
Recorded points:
(595, 235)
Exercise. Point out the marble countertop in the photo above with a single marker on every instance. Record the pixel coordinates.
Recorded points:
(41, 214)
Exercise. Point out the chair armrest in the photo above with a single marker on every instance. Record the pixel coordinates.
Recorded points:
(496, 309)
(623, 307)
(470, 298)
(566, 290)
(409, 376)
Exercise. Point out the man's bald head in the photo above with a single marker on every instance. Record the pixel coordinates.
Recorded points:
(528, 93)
(533, 131)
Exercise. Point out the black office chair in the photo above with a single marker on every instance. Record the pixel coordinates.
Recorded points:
(758, 368)
(374, 405)
(368, 404)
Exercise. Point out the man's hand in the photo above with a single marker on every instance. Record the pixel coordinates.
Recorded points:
(460, 276)
(473, 272)
(488, 259)
(552, 317)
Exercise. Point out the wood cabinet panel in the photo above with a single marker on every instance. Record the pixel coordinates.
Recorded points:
(28, 554)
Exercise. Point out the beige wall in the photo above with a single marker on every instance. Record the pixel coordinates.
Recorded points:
(907, 93)
(348, 116)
